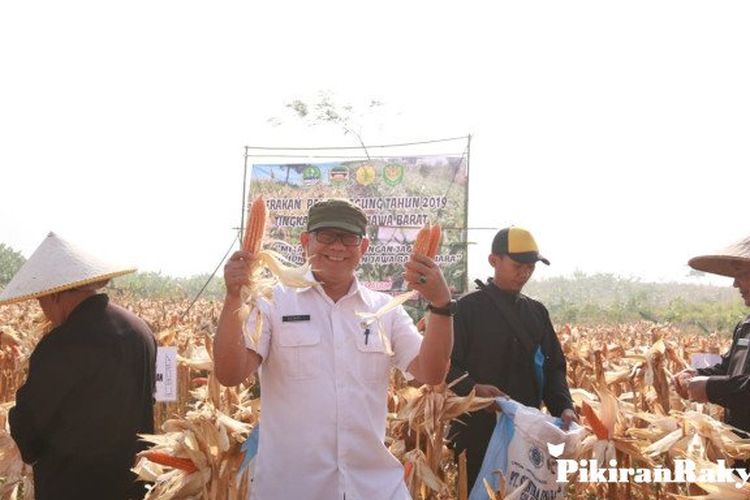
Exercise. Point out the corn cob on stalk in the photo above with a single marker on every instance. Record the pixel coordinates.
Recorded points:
(257, 216)
(594, 422)
(161, 458)
(198, 456)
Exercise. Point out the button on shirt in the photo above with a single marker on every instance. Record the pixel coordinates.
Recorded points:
(324, 379)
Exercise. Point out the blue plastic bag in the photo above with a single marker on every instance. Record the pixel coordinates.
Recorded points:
(250, 447)
(518, 448)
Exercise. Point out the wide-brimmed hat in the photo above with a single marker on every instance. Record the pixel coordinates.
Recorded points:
(519, 244)
(730, 261)
(57, 265)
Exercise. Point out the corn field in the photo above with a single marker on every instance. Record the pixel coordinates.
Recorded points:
(619, 379)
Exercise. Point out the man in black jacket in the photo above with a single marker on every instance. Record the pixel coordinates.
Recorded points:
(728, 382)
(504, 344)
(89, 389)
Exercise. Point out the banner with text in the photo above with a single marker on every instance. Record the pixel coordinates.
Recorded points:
(399, 195)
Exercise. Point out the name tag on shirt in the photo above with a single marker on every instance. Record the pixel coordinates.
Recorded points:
(743, 342)
(296, 317)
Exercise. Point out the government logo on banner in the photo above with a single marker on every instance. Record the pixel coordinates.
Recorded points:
(399, 195)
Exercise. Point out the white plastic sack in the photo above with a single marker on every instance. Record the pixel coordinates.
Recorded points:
(520, 448)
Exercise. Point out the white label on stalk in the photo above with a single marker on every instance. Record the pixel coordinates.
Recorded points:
(704, 359)
(743, 342)
(166, 374)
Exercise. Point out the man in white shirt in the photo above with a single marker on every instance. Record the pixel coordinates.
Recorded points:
(323, 375)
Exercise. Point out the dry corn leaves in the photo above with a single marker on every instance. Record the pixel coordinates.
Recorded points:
(205, 448)
(501, 493)
(624, 399)
(620, 373)
(199, 454)
(716, 490)
(418, 433)
(15, 476)
(21, 326)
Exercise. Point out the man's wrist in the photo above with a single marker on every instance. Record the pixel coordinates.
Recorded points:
(232, 298)
(447, 309)
(440, 303)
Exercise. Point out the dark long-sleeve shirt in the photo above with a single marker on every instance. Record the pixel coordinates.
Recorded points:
(89, 391)
(486, 348)
(729, 382)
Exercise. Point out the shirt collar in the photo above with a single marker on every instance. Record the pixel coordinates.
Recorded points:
(309, 277)
(97, 301)
(506, 294)
(355, 289)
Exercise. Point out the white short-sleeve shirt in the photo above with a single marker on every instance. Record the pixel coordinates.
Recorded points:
(324, 380)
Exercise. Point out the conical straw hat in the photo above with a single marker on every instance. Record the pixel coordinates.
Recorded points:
(56, 265)
(731, 261)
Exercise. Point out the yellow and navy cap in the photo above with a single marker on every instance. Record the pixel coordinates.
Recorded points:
(518, 244)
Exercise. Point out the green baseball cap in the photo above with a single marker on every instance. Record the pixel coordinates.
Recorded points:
(337, 213)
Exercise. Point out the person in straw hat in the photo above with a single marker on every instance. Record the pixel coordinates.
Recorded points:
(89, 389)
(727, 383)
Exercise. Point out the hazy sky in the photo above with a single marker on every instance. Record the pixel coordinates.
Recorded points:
(616, 132)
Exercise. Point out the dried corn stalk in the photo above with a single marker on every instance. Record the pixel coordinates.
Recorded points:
(199, 456)
(501, 493)
(419, 431)
(16, 479)
(615, 357)
(622, 392)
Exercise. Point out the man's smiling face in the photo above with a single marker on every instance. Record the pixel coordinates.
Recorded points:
(334, 254)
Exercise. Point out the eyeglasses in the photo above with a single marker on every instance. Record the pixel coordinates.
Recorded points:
(330, 237)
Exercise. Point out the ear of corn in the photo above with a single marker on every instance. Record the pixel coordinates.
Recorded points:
(161, 458)
(427, 241)
(408, 467)
(422, 241)
(435, 234)
(257, 214)
(596, 424)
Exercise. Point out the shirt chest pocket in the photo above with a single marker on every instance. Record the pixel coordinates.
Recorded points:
(373, 361)
(298, 350)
